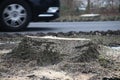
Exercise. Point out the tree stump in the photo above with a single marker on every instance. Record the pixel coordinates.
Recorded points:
(51, 50)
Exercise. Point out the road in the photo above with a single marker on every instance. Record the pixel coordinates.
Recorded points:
(46, 27)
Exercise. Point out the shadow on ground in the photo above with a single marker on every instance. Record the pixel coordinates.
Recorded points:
(40, 29)
(33, 29)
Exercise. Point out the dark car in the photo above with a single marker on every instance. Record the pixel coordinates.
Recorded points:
(16, 14)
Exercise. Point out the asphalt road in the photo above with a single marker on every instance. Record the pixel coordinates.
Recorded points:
(72, 26)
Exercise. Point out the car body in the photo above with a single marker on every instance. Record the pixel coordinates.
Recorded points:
(44, 10)
(16, 14)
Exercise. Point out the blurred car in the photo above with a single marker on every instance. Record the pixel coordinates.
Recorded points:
(17, 14)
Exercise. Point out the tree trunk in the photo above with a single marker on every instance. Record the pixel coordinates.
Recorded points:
(88, 6)
(119, 6)
(67, 7)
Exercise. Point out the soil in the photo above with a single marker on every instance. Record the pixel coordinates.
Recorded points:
(94, 60)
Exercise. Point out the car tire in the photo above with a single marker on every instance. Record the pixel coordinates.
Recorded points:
(14, 15)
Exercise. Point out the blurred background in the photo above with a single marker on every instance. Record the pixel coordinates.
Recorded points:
(80, 10)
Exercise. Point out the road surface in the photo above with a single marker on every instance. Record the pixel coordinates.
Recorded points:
(46, 27)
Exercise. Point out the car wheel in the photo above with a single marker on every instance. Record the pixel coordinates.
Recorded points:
(14, 15)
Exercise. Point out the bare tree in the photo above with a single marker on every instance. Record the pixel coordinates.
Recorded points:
(67, 7)
(119, 7)
(70, 7)
(88, 6)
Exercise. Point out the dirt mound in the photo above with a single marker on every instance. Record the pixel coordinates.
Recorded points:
(42, 51)
(53, 50)
(71, 55)
(86, 53)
